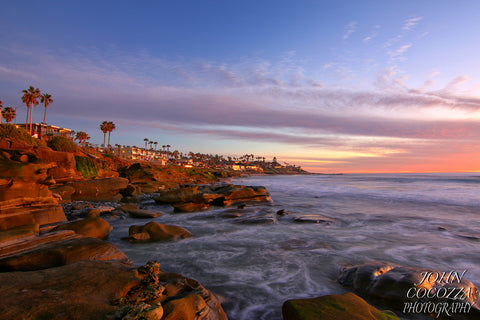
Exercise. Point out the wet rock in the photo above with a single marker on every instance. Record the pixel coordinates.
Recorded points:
(157, 232)
(93, 213)
(43, 252)
(190, 207)
(347, 306)
(313, 218)
(188, 198)
(392, 282)
(282, 212)
(475, 237)
(93, 227)
(143, 214)
(257, 220)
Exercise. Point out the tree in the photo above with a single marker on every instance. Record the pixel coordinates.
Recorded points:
(30, 98)
(46, 99)
(155, 143)
(146, 141)
(82, 137)
(111, 127)
(8, 114)
(104, 128)
(1, 107)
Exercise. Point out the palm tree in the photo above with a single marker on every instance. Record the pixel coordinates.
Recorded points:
(155, 143)
(146, 141)
(30, 98)
(8, 114)
(46, 99)
(168, 148)
(82, 137)
(111, 127)
(104, 128)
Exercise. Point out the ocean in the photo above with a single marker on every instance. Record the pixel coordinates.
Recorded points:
(417, 220)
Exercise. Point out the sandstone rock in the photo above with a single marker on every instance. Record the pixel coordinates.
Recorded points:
(190, 207)
(93, 227)
(93, 213)
(19, 232)
(340, 307)
(157, 232)
(196, 198)
(107, 189)
(143, 214)
(24, 196)
(82, 290)
(62, 164)
(184, 308)
(36, 256)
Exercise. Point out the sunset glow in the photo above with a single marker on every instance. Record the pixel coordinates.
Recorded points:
(380, 87)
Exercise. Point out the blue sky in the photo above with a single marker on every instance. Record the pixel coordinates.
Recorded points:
(344, 86)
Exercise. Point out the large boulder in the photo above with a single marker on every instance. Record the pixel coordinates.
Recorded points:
(57, 249)
(24, 194)
(62, 164)
(154, 231)
(93, 227)
(197, 198)
(105, 290)
(347, 306)
(107, 189)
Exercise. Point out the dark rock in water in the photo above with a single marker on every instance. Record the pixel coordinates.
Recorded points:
(313, 218)
(475, 237)
(154, 231)
(241, 206)
(391, 283)
(347, 306)
(143, 214)
(105, 290)
(257, 220)
(282, 212)
(442, 228)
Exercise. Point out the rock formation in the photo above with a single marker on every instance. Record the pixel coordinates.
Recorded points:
(195, 198)
(154, 231)
(347, 306)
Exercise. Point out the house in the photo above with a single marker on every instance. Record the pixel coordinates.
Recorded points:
(135, 153)
(46, 131)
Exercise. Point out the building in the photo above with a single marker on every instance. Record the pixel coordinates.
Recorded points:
(46, 131)
(135, 153)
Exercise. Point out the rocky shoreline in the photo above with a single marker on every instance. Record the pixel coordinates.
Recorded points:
(56, 261)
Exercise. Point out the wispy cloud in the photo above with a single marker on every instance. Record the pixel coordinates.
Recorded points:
(350, 28)
(411, 23)
(251, 101)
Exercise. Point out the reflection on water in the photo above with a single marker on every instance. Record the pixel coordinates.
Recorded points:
(255, 268)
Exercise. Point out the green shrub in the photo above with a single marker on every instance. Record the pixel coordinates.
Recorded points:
(10, 131)
(60, 143)
(86, 166)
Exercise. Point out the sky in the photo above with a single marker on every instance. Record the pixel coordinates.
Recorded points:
(332, 86)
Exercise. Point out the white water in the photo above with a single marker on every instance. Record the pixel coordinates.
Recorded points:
(255, 268)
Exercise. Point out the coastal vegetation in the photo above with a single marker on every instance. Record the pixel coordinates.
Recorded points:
(11, 132)
(60, 143)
